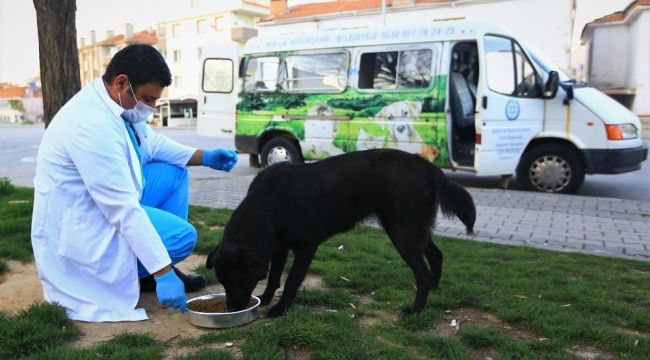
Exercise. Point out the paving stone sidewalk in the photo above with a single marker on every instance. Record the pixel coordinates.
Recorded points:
(600, 226)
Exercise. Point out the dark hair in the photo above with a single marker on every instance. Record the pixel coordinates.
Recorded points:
(141, 63)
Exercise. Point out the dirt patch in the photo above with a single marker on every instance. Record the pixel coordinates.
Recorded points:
(454, 320)
(20, 282)
(484, 353)
(632, 332)
(589, 353)
(296, 354)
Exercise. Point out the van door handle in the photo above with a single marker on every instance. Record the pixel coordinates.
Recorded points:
(484, 102)
(205, 99)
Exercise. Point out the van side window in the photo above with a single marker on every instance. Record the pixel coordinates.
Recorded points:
(406, 69)
(217, 75)
(509, 71)
(316, 72)
(261, 74)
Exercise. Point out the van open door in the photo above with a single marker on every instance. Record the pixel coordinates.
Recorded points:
(218, 90)
(510, 106)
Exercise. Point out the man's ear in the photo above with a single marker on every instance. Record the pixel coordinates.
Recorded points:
(212, 257)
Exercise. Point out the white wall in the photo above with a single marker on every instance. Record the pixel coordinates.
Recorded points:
(544, 24)
(638, 72)
(605, 70)
(189, 40)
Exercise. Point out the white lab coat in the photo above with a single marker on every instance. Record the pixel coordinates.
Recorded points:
(88, 228)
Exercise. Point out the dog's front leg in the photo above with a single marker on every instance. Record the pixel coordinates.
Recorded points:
(273, 283)
(301, 261)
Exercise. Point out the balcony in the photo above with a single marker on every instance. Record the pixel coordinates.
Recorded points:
(242, 34)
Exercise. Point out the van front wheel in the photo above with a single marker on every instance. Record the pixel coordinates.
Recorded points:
(280, 149)
(553, 168)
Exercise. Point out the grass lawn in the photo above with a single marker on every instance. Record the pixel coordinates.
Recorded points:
(511, 302)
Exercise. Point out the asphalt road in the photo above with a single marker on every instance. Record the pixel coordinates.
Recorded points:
(19, 145)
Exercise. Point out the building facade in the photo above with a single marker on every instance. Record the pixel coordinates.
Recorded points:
(618, 56)
(214, 21)
(95, 55)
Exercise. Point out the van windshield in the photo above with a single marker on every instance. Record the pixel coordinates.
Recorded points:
(544, 63)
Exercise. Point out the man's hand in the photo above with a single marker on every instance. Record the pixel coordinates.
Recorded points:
(171, 291)
(219, 159)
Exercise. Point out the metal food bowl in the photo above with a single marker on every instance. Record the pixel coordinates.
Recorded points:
(221, 320)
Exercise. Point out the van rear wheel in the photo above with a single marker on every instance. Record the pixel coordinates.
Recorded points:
(280, 149)
(553, 168)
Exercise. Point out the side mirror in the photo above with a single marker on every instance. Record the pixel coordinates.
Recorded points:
(552, 85)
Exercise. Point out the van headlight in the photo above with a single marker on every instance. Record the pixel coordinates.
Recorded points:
(622, 132)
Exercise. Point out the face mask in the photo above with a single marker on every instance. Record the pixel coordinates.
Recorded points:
(140, 111)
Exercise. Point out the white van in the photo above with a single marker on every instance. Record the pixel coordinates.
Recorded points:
(465, 95)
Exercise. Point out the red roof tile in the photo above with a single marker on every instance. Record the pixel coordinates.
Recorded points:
(315, 9)
(620, 15)
(12, 91)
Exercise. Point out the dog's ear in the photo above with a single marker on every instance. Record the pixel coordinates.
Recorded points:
(212, 256)
(256, 266)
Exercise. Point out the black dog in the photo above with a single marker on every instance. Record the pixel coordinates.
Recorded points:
(297, 207)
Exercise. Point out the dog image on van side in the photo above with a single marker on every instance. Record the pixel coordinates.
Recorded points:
(319, 132)
(399, 117)
(298, 206)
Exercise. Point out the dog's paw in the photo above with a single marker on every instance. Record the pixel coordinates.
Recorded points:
(408, 311)
(276, 311)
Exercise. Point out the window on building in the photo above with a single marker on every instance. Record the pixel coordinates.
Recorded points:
(194, 3)
(261, 74)
(217, 75)
(406, 69)
(178, 81)
(176, 30)
(509, 71)
(177, 56)
(218, 23)
(200, 26)
(199, 52)
(316, 72)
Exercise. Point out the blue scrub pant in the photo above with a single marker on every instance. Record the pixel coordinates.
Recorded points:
(166, 200)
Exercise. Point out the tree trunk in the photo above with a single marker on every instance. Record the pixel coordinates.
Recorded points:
(57, 48)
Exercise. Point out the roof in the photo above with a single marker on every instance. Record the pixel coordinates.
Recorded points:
(331, 7)
(142, 37)
(616, 17)
(12, 91)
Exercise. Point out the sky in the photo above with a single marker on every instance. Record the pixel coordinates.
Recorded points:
(19, 39)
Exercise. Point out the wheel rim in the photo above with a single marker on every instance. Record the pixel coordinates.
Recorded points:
(550, 173)
(278, 154)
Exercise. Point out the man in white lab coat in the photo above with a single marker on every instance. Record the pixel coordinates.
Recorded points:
(111, 196)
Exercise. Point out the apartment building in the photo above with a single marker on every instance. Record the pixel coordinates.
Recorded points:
(201, 22)
(95, 55)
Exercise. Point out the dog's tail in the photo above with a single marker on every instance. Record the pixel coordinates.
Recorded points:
(454, 199)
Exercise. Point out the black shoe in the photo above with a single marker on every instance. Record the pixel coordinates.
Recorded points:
(147, 284)
(192, 282)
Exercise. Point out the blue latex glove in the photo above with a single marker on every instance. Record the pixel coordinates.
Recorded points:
(171, 291)
(219, 159)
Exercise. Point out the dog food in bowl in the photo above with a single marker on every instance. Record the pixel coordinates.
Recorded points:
(213, 305)
(210, 311)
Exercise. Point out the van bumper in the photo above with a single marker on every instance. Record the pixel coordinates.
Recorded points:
(246, 144)
(614, 161)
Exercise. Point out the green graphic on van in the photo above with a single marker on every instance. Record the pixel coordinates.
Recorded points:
(331, 124)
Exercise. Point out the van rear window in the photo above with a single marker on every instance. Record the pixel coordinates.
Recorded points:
(406, 69)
